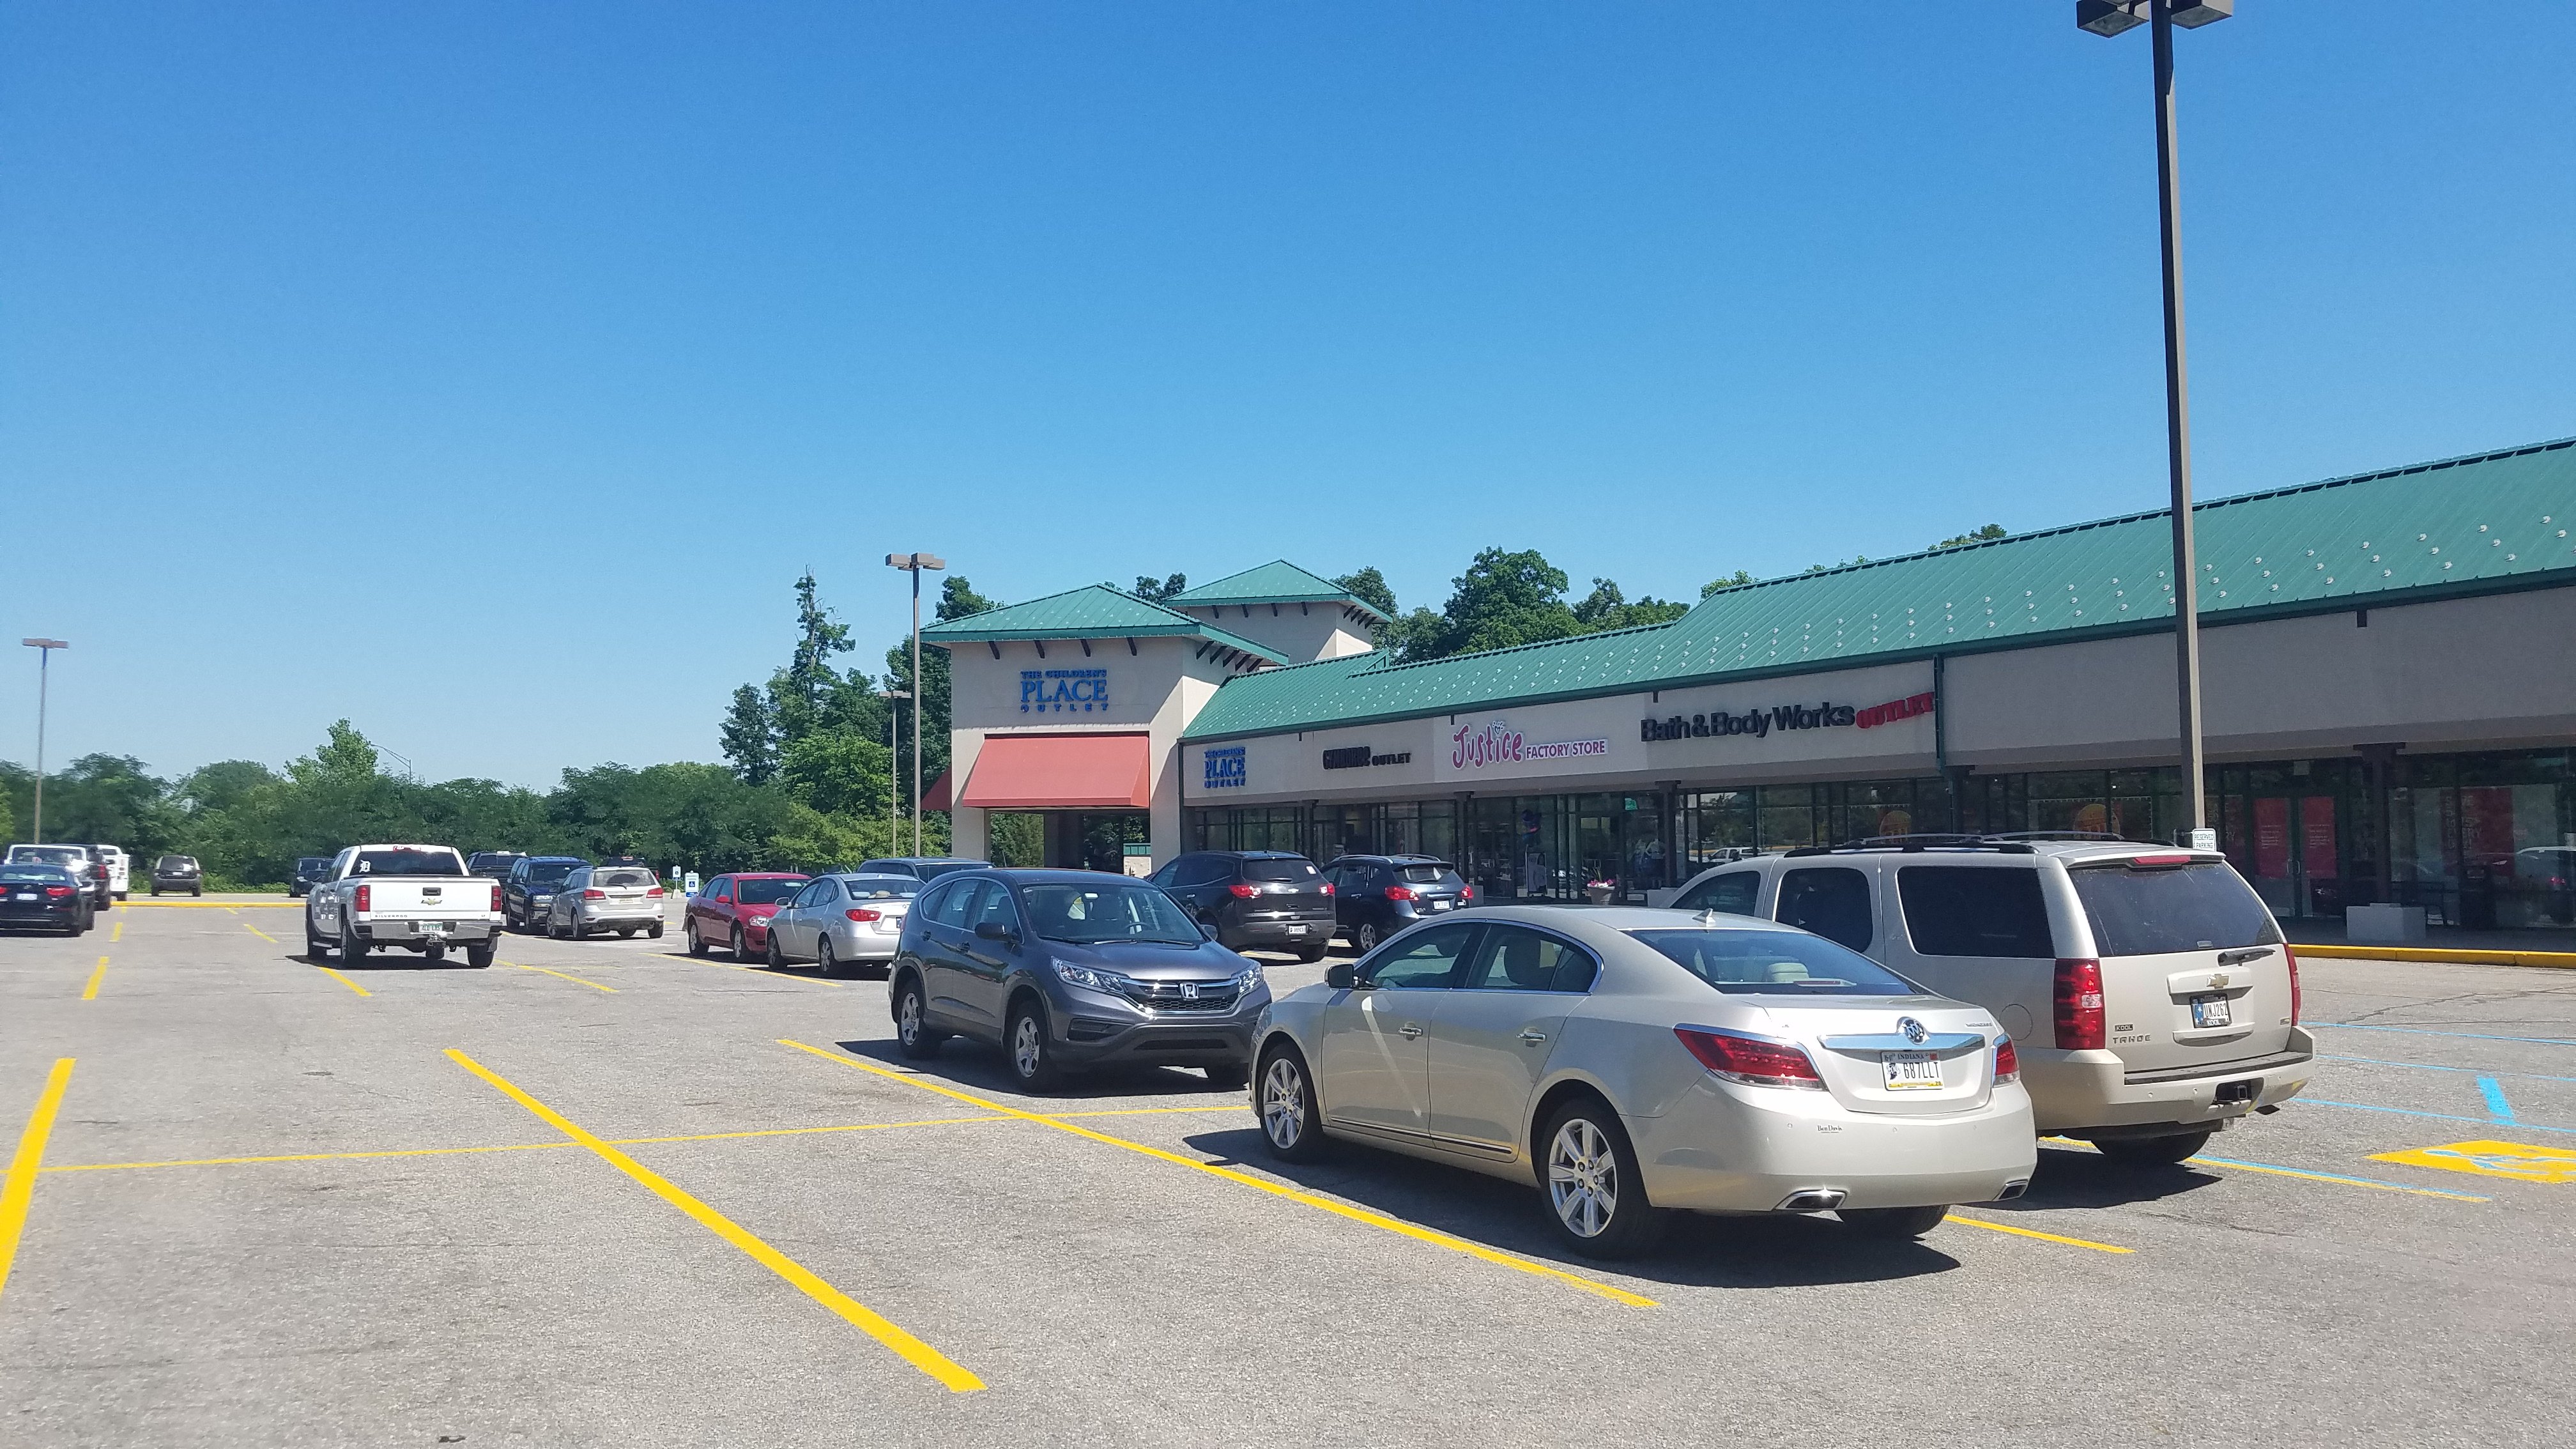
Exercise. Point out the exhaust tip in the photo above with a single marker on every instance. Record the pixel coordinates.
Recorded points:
(2013, 1189)
(1811, 1200)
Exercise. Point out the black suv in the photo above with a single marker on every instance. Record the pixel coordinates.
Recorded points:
(1071, 968)
(1255, 899)
(175, 873)
(493, 864)
(310, 871)
(1376, 896)
(529, 889)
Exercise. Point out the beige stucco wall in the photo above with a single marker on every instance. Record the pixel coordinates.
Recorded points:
(1299, 633)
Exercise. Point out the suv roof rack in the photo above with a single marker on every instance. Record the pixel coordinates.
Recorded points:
(2006, 842)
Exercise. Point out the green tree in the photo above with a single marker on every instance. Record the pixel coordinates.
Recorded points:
(1370, 587)
(1607, 608)
(749, 736)
(224, 784)
(1987, 534)
(838, 773)
(1162, 593)
(1504, 598)
(1723, 582)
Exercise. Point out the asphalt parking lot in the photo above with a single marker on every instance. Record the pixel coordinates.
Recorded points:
(606, 1194)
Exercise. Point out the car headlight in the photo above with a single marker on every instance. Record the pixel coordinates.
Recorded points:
(1091, 976)
(1250, 980)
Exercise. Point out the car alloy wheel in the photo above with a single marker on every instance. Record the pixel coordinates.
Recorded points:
(1031, 1063)
(1582, 1179)
(912, 1033)
(823, 955)
(739, 952)
(1365, 938)
(1283, 1104)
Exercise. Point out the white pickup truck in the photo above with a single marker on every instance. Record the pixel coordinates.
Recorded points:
(417, 897)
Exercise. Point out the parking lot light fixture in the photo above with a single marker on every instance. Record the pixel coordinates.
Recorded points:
(914, 563)
(44, 669)
(894, 797)
(2112, 17)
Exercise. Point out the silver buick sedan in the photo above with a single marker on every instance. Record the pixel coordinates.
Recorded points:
(1631, 1061)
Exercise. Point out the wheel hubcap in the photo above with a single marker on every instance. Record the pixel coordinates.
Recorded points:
(1582, 1178)
(1368, 938)
(1283, 1103)
(910, 1022)
(1025, 1046)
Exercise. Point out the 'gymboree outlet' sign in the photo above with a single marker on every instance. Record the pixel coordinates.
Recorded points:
(1759, 723)
(1061, 691)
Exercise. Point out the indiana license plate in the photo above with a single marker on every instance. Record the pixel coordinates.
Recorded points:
(2210, 1011)
(1911, 1071)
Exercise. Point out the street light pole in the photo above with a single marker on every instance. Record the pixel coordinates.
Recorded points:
(914, 563)
(44, 673)
(894, 797)
(2111, 17)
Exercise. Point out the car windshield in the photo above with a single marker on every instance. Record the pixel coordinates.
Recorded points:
(880, 887)
(1417, 872)
(1775, 963)
(1088, 914)
(1278, 870)
(409, 862)
(56, 854)
(305, 863)
(766, 892)
(622, 876)
(2159, 910)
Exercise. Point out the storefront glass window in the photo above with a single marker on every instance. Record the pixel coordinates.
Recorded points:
(1786, 817)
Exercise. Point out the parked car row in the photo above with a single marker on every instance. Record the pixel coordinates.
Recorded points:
(1880, 1031)
(1275, 900)
(46, 896)
(98, 871)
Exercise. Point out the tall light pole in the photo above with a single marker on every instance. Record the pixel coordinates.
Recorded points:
(914, 563)
(894, 797)
(44, 670)
(2111, 17)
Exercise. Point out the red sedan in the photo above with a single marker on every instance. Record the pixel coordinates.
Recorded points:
(732, 912)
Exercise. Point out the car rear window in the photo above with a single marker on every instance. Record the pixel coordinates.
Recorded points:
(35, 874)
(1775, 963)
(623, 876)
(766, 892)
(880, 887)
(409, 862)
(178, 862)
(1425, 872)
(2163, 909)
(934, 869)
(1962, 910)
(1278, 870)
(56, 854)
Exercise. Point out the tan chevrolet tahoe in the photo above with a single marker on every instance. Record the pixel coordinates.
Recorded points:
(2148, 991)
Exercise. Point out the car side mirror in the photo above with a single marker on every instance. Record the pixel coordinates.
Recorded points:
(994, 931)
(1341, 976)
(1207, 930)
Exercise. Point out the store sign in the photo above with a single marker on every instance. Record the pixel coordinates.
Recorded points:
(1224, 769)
(1358, 757)
(1058, 691)
(1475, 747)
(1759, 723)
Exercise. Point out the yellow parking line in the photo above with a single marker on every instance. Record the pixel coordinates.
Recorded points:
(756, 970)
(2230, 1164)
(1361, 1215)
(256, 931)
(19, 1188)
(90, 992)
(912, 1350)
(117, 933)
(593, 985)
(2035, 1233)
(343, 980)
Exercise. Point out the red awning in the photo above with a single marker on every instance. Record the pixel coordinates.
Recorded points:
(934, 796)
(1060, 772)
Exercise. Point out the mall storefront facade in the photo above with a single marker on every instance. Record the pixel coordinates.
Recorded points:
(2388, 708)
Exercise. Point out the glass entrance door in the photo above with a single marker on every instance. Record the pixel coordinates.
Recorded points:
(2298, 869)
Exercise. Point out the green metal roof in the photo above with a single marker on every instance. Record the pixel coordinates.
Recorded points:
(1276, 582)
(2483, 524)
(1094, 611)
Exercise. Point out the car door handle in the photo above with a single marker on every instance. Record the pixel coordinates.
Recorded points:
(1533, 1037)
(1409, 1030)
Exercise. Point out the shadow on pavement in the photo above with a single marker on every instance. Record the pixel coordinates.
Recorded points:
(2072, 1178)
(972, 1066)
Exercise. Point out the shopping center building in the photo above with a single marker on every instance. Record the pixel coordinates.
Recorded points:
(2389, 704)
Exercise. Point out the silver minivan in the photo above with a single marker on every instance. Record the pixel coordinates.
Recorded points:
(2149, 992)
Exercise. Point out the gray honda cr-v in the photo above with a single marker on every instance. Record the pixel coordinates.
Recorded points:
(1065, 969)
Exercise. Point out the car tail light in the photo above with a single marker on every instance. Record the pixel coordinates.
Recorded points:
(2159, 862)
(1750, 1059)
(862, 913)
(496, 898)
(1243, 892)
(2079, 1006)
(2292, 961)
(652, 892)
(1466, 893)
(365, 899)
(1400, 893)
(2007, 1061)
(594, 893)
(60, 890)
(1328, 887)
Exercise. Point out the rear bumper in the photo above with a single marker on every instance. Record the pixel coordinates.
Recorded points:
(1739, 1149)
(405, 933)
(591, 917)
(2076, 1092)
(1282, 931)
(859, 944)
(54, 917)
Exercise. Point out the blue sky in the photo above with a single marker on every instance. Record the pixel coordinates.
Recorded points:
(487, 372)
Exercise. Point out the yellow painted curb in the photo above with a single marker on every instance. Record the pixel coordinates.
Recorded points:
(2562, 960)
(205, 905)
